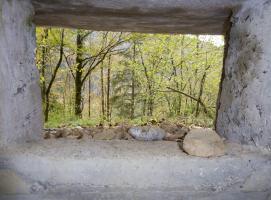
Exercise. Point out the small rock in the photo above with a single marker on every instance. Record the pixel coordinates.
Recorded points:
(76, 133)
(147, 133)
(46, 135)
(173, 129)
(174, 137)
(59, 133)
(106, 134)
(203, 143)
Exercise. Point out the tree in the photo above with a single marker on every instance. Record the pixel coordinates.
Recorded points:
(91, 49)
(48, 81)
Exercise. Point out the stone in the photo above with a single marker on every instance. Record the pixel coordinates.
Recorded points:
(106, 134)
(174, 137)
(244, 103)
(203, 143)
(173, 129)
(147, 133)
(76, 133)
(46, 135)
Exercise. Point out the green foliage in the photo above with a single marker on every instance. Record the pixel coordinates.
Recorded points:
(145, 71)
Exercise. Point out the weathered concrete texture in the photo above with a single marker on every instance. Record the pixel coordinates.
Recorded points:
(20, 99)
(155, 16)
(245, 102)
(65, 169)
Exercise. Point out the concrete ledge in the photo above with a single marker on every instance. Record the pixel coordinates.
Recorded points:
(151, 16)
(120, 168)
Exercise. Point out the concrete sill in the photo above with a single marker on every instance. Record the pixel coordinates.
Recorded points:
(98, 167)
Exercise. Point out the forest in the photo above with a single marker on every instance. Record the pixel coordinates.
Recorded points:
(90, 77)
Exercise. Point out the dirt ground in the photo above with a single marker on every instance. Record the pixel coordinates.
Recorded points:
(174, 131)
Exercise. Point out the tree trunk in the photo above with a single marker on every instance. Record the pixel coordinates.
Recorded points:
(202, 85)
(47, 104)
(43, 63)
(108, 88)
(65, 93)
(89, 95)
(150, 102)
(78, 75)
(133, 85)
(48, 89)
(102, 91)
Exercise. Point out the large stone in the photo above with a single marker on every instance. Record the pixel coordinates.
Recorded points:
(20, 94)
(244, 105)
(147, 133)
(203, 143)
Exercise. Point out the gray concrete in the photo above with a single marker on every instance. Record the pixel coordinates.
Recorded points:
(63, 169)
(20, 98)
(143, 170)
(159, 16)
(245, 102)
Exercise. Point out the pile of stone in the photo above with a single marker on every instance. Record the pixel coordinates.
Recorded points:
(96, 133)
(194, 141)
(161, 131)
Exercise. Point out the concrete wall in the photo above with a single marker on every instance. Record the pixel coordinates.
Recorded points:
(245, 101)
(20, 98)
(244, 112)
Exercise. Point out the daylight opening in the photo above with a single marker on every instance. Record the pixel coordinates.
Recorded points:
(107, 79)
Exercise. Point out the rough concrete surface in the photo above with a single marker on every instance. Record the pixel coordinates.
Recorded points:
(159, 16)
(20, 96)
(245, 102)
(65, 169)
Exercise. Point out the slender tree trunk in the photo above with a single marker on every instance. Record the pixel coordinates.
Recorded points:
(150, 103)
(44, 62)
(78, 75)
(149, 88)
(102, 91)
(133, 84)
(78, 94)
(181, 76)
(202, 82)
(65, 93)
(89, 95)
(144, 108)
(47, 104)
(108, 88)
(70, 96)
(48, 89)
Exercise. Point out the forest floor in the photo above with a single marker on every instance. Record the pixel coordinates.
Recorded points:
(173, 131)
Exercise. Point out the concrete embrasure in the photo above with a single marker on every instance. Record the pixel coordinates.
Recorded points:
(115, 167)
(20, 94)
(245, 101)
